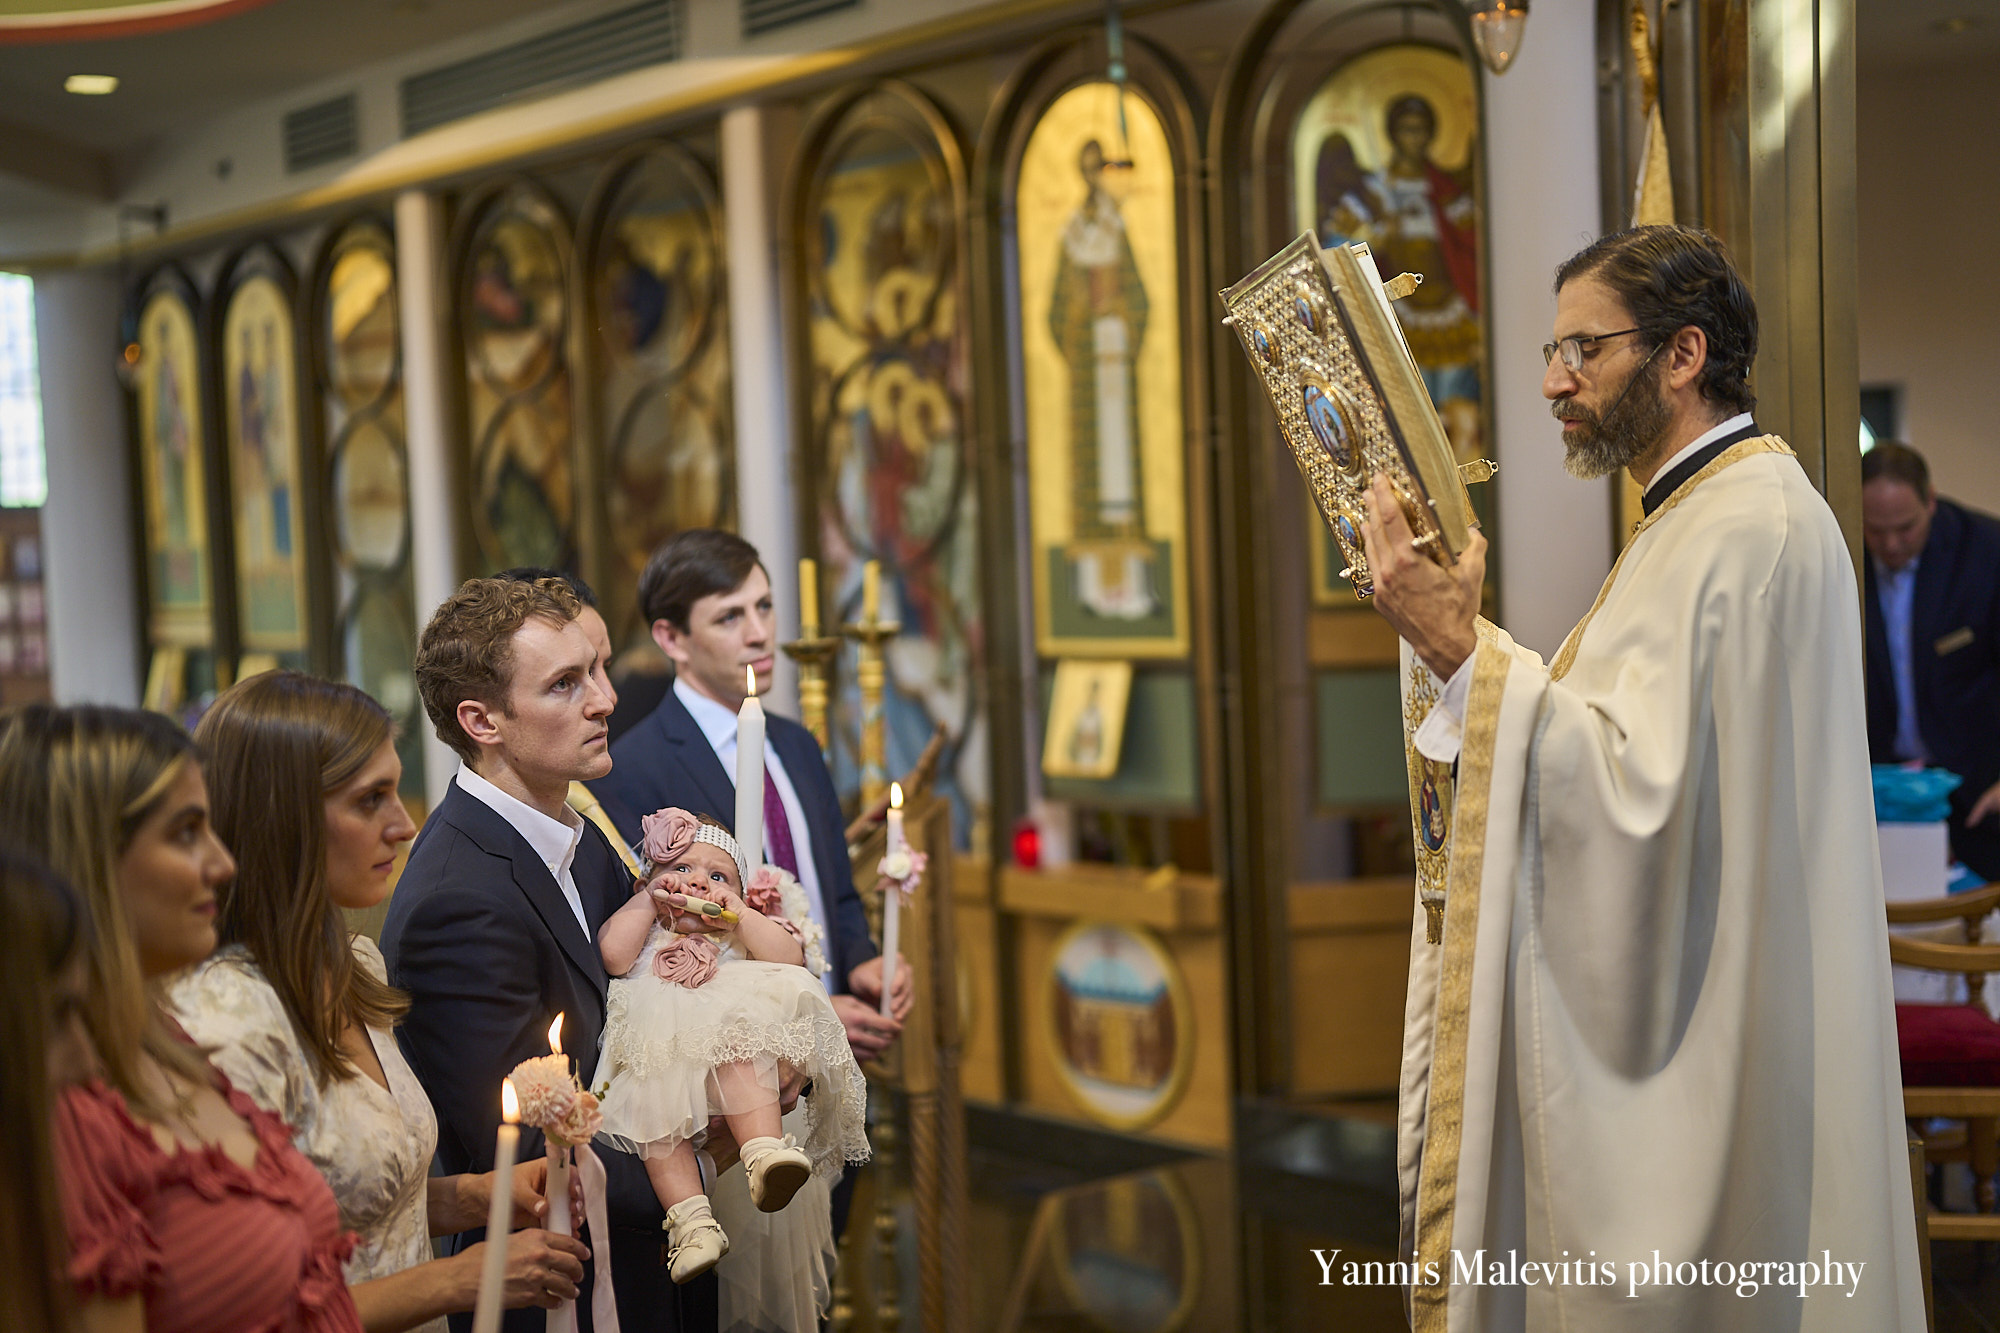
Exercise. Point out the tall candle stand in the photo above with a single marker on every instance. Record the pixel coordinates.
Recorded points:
(814, 653)
(871, 674)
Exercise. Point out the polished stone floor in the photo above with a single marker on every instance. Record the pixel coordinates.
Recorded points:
(1072, 1230)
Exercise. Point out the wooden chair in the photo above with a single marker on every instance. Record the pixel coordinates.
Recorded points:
(1951, 1054)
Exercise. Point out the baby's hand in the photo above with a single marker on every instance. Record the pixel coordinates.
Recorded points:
(678, 911)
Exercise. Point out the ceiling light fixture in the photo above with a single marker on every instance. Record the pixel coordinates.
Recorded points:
(1497, 29)
(91, 85)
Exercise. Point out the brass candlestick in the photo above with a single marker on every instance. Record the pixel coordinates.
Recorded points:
(872, 675)
(869, 633)
(814, 653)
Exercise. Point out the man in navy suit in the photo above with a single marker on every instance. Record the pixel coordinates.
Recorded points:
(492, 929)
(1933, 585)
(708, 599)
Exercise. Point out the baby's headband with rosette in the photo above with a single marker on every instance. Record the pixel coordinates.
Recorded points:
(665, 836)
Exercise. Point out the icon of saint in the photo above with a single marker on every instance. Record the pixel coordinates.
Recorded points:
(1097, 315)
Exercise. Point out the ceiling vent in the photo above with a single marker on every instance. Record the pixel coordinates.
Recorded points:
(762, 16)
(628, 39)
(321, 133)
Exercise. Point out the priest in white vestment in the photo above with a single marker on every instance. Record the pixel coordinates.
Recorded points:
(1650, 1077)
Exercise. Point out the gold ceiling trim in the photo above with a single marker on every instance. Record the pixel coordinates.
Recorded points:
(932, 38)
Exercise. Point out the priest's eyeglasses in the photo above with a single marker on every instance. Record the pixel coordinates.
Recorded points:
(1572, 348)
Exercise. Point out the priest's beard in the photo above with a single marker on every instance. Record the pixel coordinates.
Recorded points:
(1630, 427)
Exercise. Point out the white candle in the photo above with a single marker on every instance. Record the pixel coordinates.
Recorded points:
(562, 1319)
(750, 774)
(493, 1268)
(892, 899)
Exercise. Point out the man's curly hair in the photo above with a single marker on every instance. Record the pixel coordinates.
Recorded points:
(467, 650)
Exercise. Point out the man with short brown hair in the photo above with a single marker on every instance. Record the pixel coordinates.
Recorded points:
(492, 928)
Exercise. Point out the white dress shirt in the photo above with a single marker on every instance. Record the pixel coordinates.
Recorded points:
(554, 840)
(718, 724)
(1443, 728)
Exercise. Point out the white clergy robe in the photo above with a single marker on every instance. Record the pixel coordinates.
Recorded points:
(1657, 1030)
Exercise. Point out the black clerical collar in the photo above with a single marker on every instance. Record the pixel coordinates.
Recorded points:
(1672, 480)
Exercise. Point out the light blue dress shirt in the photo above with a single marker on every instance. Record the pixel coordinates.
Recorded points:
(1897, 592)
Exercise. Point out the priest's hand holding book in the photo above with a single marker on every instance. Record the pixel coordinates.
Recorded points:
(1431, 606)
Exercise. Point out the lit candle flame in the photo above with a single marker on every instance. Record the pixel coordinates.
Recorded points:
(555, 1035)
(750, 680)
(895, 796)
(510, 1105)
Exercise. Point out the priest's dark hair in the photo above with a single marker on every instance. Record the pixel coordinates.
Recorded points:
(691, 565)
(535, 573)
(1896, 461)
(1674, 277)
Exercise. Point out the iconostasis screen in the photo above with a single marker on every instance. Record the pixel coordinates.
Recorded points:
(173, 477)
(1384, 153)
(888, 442)
(357, 363)
(1101, 349)
(662, 374)
(512, 307)
(260, 417)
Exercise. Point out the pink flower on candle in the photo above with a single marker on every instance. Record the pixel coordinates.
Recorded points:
(687, 960)
(666, 834)
(581, 1123)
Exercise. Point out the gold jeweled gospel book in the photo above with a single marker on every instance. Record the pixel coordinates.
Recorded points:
(1349, 398)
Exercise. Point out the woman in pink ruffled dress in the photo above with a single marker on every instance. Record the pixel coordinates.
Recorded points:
(702, 1025)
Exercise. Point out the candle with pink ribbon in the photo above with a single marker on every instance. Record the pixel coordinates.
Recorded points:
(568, 1116)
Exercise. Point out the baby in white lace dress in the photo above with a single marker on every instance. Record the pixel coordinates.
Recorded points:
(709, 1025)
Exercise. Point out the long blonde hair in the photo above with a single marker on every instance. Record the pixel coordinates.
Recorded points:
(75, 786)
(275, 747)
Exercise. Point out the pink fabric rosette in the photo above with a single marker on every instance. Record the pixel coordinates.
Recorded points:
(766, 891)
(666, 834)
(687, 960)
(767, 894)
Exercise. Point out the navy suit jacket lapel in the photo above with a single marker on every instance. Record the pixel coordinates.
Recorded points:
(1880, 677)
(1927, 601)
(485, 826)
(689, 746)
